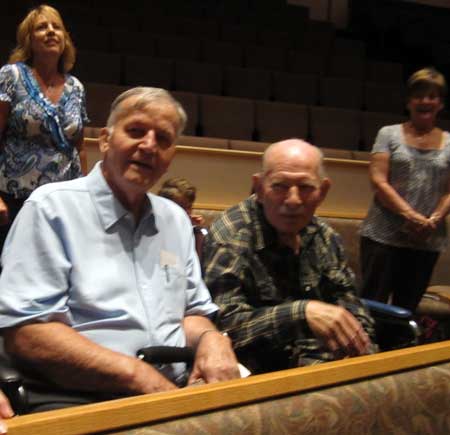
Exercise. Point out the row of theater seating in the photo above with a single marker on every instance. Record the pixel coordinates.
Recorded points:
(265, 121)
(214, 79)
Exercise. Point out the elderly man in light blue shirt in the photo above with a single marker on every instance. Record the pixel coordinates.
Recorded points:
(96, 268)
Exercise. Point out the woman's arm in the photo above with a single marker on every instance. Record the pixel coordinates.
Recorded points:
(388, 196)
(4, 113)
(82, 153)
(442, 209)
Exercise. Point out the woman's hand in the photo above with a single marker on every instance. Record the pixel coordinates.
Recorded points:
(4, 212)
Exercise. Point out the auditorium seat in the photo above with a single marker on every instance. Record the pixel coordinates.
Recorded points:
(129, 42)
(222, 53)
(196, 28)
(99, 97)
(119, 18)
(371, 122)
(335, 128)
(346, 66)
(247, 83)
(274, 38)
(238, 33)
(304, 62)
(91, 37)
(148, 71)
(177, 48)
(340, 92)
(276, 121)
(190, 103)
(349, 47)
(227, 117)
(318, 36)
(295, 88)
(203, 78)
(378, 97)
(100, 67)
(271, 58)
(384, 72)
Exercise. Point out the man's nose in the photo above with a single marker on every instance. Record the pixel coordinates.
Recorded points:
(293, 198)
(50, 28)
(148, 142)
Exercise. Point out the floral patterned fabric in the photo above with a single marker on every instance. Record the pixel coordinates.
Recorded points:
(38, 143)
(406, 403)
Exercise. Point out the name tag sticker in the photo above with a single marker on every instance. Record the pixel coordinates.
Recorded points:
(168, 259)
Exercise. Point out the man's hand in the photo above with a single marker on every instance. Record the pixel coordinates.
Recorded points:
(5, 412)
(337, 327)
(4, 212)
(214, 360)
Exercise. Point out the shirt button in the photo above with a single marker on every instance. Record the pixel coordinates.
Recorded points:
(307, 288)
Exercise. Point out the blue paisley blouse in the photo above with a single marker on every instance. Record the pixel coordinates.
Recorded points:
(38, 142)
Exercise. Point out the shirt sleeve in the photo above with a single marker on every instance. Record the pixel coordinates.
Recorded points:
(231, 282)
(8, 80)
(383, 140)
(34, 282)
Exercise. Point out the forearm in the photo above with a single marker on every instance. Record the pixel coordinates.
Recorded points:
(61, 354)
(442, 209)
(195, 327)
(390, 199)
(275, 324)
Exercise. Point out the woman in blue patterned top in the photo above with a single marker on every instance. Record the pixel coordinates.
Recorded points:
(405, 230)
(42, 113)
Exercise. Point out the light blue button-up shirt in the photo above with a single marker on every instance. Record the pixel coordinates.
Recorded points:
(75, 255)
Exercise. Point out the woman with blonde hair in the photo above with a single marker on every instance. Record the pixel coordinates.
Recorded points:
(42, 112)
(405, 230)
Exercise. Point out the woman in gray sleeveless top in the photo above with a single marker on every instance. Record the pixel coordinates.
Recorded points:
(405, 230)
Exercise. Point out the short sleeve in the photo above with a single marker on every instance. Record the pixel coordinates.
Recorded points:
(383, 140)
(34, 285)
(8, 80)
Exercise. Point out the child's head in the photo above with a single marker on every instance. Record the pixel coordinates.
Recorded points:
(179, 190)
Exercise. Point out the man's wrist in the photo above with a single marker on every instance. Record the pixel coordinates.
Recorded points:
(208, 331)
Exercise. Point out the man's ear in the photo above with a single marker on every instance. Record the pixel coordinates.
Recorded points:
(257, 180)
(103, 140)
(324, 188)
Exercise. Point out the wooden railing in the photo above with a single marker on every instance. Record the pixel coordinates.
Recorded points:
(141, 410)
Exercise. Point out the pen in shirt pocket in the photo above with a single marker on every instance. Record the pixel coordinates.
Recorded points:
(166, 270)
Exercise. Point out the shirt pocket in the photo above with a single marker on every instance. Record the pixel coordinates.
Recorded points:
(174, 283)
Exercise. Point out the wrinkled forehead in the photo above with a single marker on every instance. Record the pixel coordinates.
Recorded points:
(136, 106)
(296, 166)
(307, 177)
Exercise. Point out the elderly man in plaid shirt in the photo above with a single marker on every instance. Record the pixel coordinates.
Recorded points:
(279, 274)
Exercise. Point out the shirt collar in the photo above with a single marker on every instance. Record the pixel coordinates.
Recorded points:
(266, 234)
(110, 210)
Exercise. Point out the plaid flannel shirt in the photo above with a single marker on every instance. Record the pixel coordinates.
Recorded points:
(262, 288)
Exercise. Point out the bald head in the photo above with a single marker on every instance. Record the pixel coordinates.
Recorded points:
(291, 186)
(291, 152)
